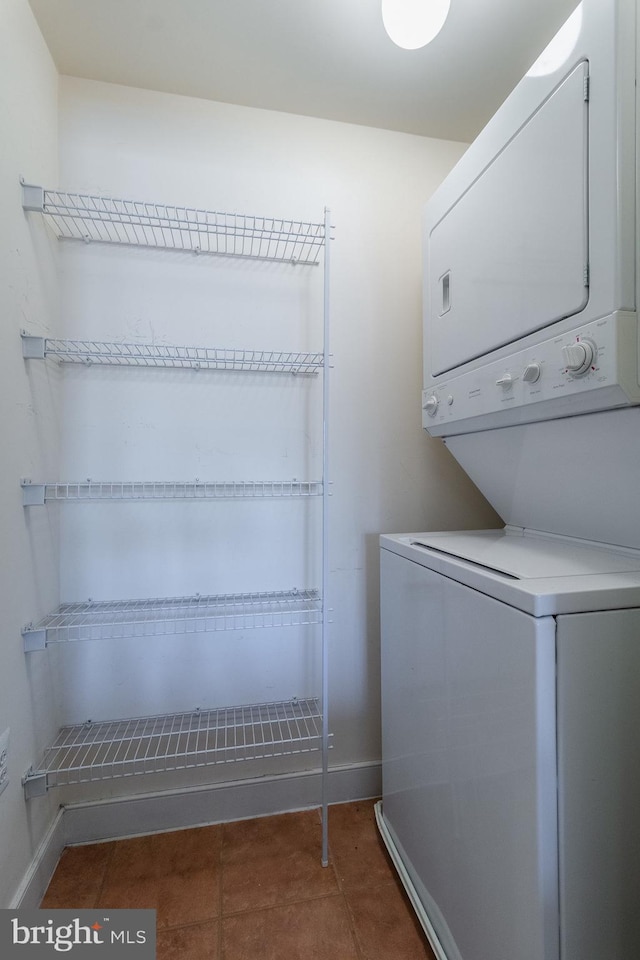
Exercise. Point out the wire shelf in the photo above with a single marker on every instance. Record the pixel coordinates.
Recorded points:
(76, 216)
(131, 619)
(159, 355)
(93, 490)
(121, 748)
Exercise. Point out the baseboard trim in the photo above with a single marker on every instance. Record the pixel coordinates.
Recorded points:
(139, 814)
(36, 879)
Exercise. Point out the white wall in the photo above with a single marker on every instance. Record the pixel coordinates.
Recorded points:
(387, 475)
(28, 426)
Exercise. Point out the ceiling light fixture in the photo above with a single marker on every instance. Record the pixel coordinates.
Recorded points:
(414, 23)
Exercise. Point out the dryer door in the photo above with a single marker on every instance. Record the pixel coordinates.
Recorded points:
(510, 256)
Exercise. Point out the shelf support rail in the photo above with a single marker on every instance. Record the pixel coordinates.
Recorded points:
(32, 197)
(34, 783)
(325, 543)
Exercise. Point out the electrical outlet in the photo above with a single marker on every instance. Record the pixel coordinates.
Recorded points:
(4, 759)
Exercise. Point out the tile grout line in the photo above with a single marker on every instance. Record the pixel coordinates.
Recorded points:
(232, 914)
(112, 854)
(220, 940)
(352, 928)
(345, 903)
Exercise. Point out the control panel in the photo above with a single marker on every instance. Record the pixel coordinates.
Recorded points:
(593, 367)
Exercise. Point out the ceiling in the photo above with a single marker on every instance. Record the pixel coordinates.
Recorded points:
(321, 58)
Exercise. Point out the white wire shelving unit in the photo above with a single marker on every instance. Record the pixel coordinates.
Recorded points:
(168, 616)
(120, 748)
(90, 751)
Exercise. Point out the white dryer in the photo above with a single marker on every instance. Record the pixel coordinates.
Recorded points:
(511, 747)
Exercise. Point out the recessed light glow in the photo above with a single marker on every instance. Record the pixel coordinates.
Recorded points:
(560, 48)
(414, 23)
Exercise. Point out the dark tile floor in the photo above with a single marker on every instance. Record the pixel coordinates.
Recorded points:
(254, 889)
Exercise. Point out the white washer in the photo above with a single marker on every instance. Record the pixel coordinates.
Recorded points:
(511, 755)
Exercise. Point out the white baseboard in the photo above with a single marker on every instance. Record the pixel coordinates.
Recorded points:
(36, 880)
(114, 819)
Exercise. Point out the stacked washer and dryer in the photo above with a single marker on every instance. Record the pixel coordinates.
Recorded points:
(511, 658)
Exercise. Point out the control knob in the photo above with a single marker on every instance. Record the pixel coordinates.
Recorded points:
(531, 373)
(578, 357)
(431, 405)
(505, 381)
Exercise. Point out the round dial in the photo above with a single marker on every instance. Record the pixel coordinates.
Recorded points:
(579, 356)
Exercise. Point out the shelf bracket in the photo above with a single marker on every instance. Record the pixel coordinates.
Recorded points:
(33, 638)
(34, 783)
(32, 197)
(32, 347)
(32, 493)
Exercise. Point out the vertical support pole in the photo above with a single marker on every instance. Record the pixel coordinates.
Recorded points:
(325, 544)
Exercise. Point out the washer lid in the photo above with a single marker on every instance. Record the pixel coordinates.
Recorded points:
(540, 574)
(523, 555)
